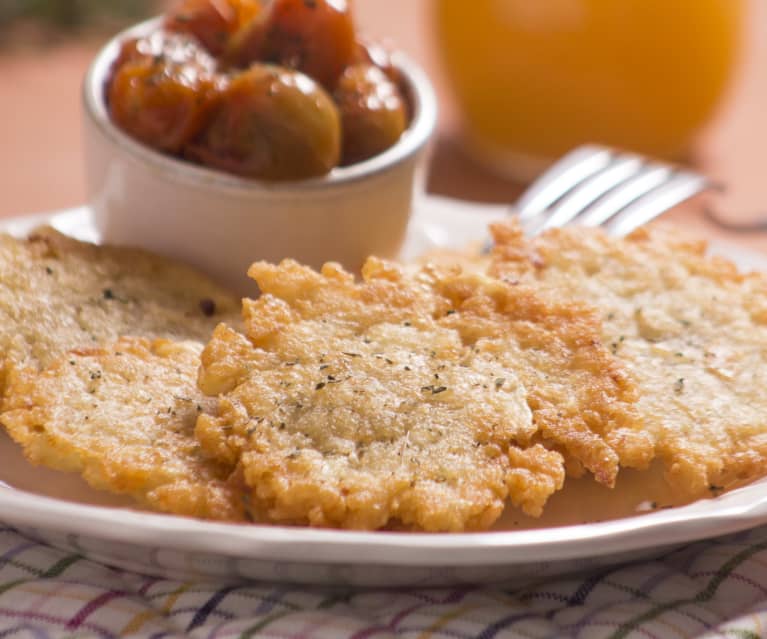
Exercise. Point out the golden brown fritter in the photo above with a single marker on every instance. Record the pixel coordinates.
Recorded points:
(57, 293)
(405, 398)
(123, 416)
(691, 330)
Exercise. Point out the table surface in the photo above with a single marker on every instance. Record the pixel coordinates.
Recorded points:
(40, 147)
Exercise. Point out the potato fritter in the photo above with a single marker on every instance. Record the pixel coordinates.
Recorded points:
(691, 330)
(405, 398)
(57, 293)
(123, 416)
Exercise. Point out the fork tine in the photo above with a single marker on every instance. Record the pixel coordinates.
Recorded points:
(595, 185)
(567, 173)
(649, 178)
(682, 186)
(623, 168)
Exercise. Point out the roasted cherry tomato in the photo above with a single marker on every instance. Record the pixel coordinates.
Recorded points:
(370, 52)
(373, 112)
(271, 123)
(313, 36)
(212, 22)
(171, 48)
(162, 90)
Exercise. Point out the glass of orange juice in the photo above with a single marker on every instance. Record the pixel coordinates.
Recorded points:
(535, 78)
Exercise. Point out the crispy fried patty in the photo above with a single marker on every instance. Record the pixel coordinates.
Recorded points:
(117, 413)
(691, 330)
(57, 293)
(417, 399)
(123, 415)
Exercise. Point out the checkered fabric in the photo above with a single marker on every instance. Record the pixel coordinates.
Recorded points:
(715, 588)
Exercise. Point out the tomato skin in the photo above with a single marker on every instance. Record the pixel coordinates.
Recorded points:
(371, 52)
(162, 91)
(373, 112)
(316, 37)
(271, 123)
(212, 22)
(172, 48)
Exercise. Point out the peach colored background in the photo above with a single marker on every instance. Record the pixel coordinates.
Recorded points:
(40, 149)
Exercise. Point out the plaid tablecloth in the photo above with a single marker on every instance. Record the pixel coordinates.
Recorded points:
(715, 588)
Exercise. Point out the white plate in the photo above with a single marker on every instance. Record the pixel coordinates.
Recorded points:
(60, 509)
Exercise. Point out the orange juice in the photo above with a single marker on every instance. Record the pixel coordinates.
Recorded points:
(534, 78)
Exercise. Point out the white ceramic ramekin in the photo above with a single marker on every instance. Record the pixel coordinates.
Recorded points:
(222, 223)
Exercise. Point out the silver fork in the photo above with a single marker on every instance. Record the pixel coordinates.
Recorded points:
(599, 186)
